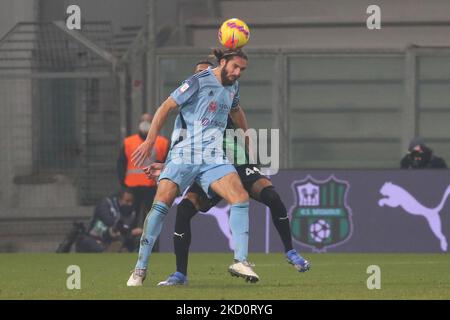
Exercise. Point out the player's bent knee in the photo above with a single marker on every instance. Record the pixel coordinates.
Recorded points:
(166, 199)
(269, 194)
(194, 199)
(185, 211)
(239, 197)
(270, 197)
(166, 192)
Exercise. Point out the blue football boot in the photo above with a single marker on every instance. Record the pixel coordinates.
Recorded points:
(175, 279)
(301, 264)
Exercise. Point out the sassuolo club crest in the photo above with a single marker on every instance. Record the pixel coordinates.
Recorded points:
(321, 217)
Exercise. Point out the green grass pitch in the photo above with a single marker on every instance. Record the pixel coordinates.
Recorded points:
(332, 276)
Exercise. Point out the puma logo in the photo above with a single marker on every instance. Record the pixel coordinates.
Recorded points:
(395, 196)
(181, 235)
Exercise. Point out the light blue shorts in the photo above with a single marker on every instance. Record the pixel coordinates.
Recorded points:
(204, 174)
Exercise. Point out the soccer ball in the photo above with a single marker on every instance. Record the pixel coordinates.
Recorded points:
(234, 34)
(319, 230)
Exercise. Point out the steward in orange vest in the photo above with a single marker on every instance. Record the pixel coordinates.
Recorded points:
(143, 188)
(134, 176)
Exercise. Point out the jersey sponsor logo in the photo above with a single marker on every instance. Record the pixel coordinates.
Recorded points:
(395, 196)
(224, 108)
(218, 123)
(212, 106)
(321, 218)
(184, 87)
(205, 121)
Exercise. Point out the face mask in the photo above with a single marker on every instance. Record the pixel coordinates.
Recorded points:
(420, 159)
(126, 210)
(144, 127)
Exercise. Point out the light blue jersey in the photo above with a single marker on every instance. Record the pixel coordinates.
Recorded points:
(204, 104)
(197, 142)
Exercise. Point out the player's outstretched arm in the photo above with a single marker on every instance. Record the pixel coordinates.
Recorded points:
(143, 152)
(239, 119)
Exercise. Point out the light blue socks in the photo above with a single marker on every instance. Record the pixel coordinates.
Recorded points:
(239, 224)
(152, 228)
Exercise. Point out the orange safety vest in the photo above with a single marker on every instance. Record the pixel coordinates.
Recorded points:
(134, 176)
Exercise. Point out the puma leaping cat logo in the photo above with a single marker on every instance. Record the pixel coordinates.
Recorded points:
(397, 196)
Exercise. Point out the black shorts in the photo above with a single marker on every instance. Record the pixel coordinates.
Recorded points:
(248, 174)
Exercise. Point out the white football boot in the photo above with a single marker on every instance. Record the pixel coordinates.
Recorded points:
(137, 278)
(244, 270)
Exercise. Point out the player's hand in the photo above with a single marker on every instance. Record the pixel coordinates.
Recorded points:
(136, 232)
(154, 170)
(142, 154)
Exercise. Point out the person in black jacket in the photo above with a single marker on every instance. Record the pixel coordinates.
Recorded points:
(420, 156)
(114, 220)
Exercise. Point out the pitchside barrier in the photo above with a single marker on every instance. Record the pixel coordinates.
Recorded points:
(339, 211)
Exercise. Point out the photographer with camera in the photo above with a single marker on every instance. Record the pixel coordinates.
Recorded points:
(421, 156)
(114, 220)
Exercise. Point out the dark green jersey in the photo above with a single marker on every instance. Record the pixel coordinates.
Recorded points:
(233, 147)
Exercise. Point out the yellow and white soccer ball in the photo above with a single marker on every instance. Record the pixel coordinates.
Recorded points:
(234, 34)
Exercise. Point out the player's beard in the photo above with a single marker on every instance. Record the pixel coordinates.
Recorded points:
(224, 77)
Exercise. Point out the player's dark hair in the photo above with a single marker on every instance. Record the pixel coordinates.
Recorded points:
(205, 62)
(228, 54)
